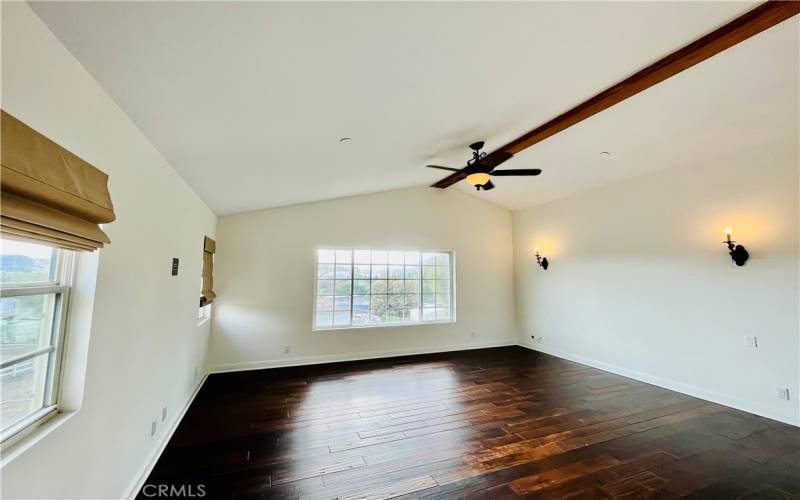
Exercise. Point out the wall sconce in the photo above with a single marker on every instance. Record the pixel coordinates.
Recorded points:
(542, 261)
(738, 253)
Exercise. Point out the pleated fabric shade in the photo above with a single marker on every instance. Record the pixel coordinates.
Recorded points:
(47, 194)
(207, 295)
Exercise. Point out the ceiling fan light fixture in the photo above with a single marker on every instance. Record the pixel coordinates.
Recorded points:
(478, 178)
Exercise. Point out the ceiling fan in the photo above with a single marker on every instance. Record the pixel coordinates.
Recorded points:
(480, 169)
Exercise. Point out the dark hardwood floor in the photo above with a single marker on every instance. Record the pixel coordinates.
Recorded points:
(491, 423)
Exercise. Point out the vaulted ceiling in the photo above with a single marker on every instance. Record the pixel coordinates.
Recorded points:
(248, 101)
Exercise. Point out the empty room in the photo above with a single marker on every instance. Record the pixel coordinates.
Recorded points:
(418, 250)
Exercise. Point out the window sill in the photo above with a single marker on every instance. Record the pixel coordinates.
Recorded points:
(28, 438)
(390, 325)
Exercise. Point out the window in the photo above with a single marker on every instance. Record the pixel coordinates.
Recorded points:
(204, 314)
(358, 288)
(34, 290)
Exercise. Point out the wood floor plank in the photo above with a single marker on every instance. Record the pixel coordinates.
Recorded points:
(492, 423)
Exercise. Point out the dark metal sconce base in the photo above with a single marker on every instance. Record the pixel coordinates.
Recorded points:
(544, 263)
(739, 255)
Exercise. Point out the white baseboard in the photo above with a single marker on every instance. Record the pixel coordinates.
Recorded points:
(336, 358)
(147, 468)
(689, 390)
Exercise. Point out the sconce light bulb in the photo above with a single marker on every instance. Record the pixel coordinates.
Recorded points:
(728, 230)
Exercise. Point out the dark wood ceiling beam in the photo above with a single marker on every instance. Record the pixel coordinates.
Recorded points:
(751, 23)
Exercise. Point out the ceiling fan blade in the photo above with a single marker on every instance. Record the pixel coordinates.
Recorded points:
(518, 171)
(450, 180)
(487, 186)
(443, 168)
(492, 160)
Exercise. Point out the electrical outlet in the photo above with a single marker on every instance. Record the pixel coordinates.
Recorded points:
(287, 349)
(751, 341)
(783, 393)
(472, 335)
(164, 414)
(153, 426)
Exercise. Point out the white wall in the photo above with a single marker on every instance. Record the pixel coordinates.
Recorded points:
(265, 266)
(640, 283)
(145, 341)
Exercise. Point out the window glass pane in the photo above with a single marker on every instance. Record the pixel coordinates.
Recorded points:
(428, 259)
(360, 287)
(377, 316)
(395, 286)
(379, 301)
(325, 287)
(442, 313)
(412, 300)
(442, 259)
(326, 271)
(379, 286)
(26, 324)
(326, 256)
(395, 257)
(324, 303)
(428, 314)
(442, 286)
(22, 389)
(362, 256)
(428, 300)
(412, 258)
(344, 256)
(395, 272)
(324, 318)
(428, 272)
(443, 272)
(341, 318)
(396, 300)
(380, 257)
(412, 272)
(379, 272)
(412, 286)
(442, 300)
(343, 287)
(360, 317)
(343, 271)
(361, 271)
(22, 262)
(360, 302)
(413, 315)
(428, 286)
(342, 303)
(394, 315)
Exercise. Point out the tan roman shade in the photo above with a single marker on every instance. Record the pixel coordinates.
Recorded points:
(47, 194)
(207, 295)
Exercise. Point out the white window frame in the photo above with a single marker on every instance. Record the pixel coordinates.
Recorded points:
(60, 285)
(203, 314)
(421, 322)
